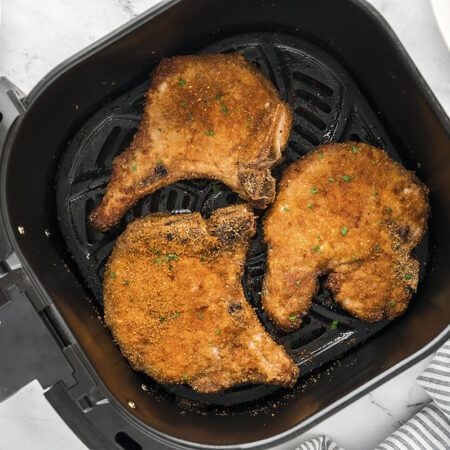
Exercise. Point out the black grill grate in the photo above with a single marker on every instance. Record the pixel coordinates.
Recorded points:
(327, 106)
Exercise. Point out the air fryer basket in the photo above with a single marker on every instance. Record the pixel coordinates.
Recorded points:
(55, 166)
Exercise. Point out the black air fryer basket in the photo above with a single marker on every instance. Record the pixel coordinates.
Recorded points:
(346, 77)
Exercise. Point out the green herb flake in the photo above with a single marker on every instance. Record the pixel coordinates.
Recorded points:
(197, 75)
(373, 163)
(209, 133)
(248, 126)
(235, 109)
(126, 282)
(264, 292)
(249, 118)
(310, 206)
(389, 170)
(379, 221)
(200, 316)
(133, 157)
(210, 343)
(170, 266)
(354, 150)
(408, 276)
(159, 162)
(346, 178)
(131, 300)
(286, 208)
(159, 129)
(217, 330)
(314, 190)
(186, 377)
(388, 209)
(334, 324)
(317, 247)
(344, 231)
(205, 102)
(320, 155)
(298, 283)
(402, 268)
(191, 116)
(419, 165)
(113, 274)
(224, 109)
(332, 179)
(202, 259)
(182, 82)
(392, 303)
(376, 192)
(216, 188)
(378, 249)
(292, 318)
(175, 315)
(183, 104)
(218, 96)
(396, 163)
(353, 256)
(134, 167)
(234, 46)
(157, 252)
(162, 319)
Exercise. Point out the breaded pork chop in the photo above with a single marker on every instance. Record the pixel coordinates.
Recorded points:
(209, 116)
(175, 304)
(350, 212)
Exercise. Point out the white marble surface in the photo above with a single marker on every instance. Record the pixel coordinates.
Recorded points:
(37, 35)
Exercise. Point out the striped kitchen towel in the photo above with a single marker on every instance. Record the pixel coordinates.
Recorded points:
(429, 429)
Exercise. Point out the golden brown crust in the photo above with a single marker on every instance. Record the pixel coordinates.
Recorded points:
(188, 316)
(209, 116)
(350, 211)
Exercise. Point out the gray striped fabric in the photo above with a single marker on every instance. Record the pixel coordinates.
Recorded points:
(429, 429)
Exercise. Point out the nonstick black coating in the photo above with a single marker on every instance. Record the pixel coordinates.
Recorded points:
(327, 106)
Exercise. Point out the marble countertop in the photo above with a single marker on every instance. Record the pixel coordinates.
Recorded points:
(35, 36)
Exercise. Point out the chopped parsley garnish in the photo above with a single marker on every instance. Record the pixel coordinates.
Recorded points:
(134, 167)
(373, 163)
(378, 249)
(218, 96)
(264, 292)
(334, 324)
(200, 316)
(197, 75)
(408, 276)
(376, 191)
(210, 343)
(186, 377)
(159, 129)
(170, 266)
(162, 319)
(249, 118)
(159, 162)
(216, 188)
(354, 149)
(396, 163)
(292, 318)
(209, 133)
(224, 109)
(317, 247)
(113, 274)
(172, 256)
(353, 256)
(314, 190)
(419, 165)
(344, 231)
(191, 116)
(320, 155)
(183, 104)
(134, 157)
(310, 206)
(235, 109)
(126, 282)
(157, 252)
(182, 82)
(286, 208)
(378, 221)
(389, 170)
(175, 315)
(346, 178)
(217, 330)
(206, 102)
(234, 46)
(388, 209)
(248, 126)
(332, 179)
(298, 283)
(202, 259)
(131, 300)
(402, 268)
(392, 303)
